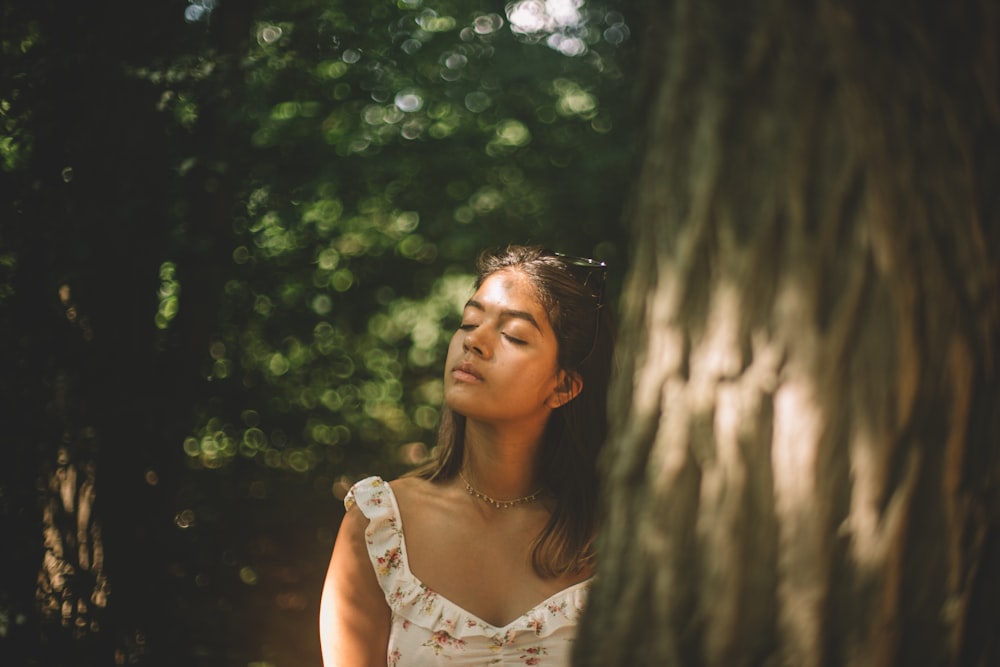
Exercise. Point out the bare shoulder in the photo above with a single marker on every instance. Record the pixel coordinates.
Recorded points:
(353, 524)
(354, 616)
(420, 499)
(413, 487)
(350, 550)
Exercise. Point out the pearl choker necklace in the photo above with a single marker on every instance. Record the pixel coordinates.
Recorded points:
(499, 504)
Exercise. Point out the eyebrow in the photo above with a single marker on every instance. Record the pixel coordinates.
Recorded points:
(506, 313)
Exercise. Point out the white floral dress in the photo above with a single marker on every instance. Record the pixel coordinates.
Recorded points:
(429, 630)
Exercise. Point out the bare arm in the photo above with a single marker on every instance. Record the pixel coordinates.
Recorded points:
(353, 614)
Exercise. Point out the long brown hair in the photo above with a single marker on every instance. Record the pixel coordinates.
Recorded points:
(572, 295)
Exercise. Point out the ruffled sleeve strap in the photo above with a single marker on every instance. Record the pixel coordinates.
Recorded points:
(404, 593)
(384, 533)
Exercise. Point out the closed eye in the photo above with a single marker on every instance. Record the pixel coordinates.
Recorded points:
(515, 341)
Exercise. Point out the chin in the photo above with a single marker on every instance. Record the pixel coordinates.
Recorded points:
(458, 406)
(465, 407)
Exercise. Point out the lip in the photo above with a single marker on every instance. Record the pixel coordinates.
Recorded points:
(466, 372)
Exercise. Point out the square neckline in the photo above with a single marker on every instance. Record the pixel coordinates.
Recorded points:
(405, 560)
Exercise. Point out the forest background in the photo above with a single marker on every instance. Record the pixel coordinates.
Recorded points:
(234, 239)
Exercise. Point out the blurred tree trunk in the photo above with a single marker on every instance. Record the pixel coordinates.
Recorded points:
(803, 468)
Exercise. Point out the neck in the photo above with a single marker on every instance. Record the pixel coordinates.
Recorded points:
(499, 463)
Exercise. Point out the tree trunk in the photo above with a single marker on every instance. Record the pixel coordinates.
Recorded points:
(803, 464)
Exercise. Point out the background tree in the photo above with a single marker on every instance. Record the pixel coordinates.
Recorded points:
(804, 466)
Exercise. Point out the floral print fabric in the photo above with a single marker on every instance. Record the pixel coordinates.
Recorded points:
(429, 630)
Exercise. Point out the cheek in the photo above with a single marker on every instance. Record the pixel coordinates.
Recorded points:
(535, 372)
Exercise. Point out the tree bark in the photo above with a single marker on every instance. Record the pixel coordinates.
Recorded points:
(803, 463)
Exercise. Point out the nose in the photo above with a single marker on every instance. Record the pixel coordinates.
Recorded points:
(475, 342)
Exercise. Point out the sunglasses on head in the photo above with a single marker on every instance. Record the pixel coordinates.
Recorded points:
(585, 268)
(593, 274)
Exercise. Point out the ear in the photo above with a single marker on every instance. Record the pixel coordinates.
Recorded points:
(569, 386)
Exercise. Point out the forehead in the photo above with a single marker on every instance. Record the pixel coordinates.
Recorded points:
(512, 290)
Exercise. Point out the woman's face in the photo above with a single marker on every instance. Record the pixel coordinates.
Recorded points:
(501, 363)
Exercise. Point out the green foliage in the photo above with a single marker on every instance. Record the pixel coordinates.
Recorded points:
(390, 144)
(15, 144)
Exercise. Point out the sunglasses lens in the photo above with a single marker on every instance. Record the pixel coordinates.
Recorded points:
(587, 268)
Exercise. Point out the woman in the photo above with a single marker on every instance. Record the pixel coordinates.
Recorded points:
(498, 547)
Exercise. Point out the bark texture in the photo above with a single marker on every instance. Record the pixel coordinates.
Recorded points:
(803, 468)
(72, 588)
